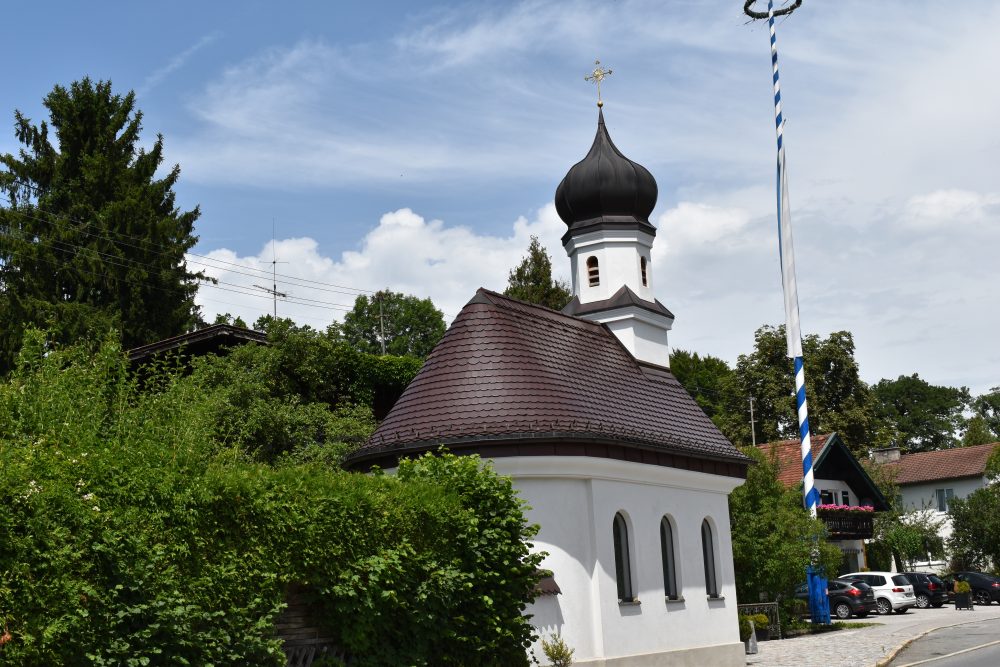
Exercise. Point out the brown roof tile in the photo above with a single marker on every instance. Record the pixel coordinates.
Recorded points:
(788, 454)
(942, 464)
(512, 372)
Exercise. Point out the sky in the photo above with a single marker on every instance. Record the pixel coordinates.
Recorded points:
(417, 147)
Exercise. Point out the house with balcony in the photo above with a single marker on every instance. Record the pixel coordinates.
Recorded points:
(929, 481)
(849, 498)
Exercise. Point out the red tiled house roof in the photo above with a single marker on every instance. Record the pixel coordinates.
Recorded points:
(831, 460)
(514, 379)
(942, 464)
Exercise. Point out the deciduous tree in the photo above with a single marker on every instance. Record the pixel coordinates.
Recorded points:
(923, 416)
(406, 325)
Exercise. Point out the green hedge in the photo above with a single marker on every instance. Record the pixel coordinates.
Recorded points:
(131, 537)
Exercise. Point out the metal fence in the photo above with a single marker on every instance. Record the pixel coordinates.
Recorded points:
(769, 609)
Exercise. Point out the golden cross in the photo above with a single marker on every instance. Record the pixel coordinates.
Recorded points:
(597, 76)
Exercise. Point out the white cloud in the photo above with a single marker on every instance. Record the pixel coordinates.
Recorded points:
(404, 252)
(951, 208)
(696, 226)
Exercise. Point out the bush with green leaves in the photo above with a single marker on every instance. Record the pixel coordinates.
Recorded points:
(133, 536)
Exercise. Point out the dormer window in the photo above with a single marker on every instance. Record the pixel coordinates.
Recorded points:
(642, 270)
(593, 273)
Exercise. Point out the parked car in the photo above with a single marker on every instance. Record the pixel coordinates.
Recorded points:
(929, 589)
(985, 587)
(893, 591)
(847, 598)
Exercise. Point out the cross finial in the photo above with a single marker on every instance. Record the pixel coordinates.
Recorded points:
(597, 76)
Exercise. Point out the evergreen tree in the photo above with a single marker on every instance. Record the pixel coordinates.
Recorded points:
(90, 239)
(532, 280)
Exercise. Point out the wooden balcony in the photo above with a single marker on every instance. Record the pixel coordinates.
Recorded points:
(848, 525)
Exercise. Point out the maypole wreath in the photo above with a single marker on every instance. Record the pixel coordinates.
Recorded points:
(749, 11)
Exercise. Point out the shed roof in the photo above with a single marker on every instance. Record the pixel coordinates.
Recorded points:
(512, 378)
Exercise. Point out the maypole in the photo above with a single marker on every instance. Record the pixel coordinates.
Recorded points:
(819, 605)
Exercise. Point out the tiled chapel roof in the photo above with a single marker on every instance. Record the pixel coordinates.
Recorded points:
(535, 381)
(943, 464)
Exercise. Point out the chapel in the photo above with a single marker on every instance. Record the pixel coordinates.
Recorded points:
(626, 476)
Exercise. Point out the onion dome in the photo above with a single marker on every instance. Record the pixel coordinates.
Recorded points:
(606, 189)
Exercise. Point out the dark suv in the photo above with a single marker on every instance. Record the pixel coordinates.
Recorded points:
(847, 598)
(929, 589)
(985, 587)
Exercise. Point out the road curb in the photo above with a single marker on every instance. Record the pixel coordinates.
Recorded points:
(884, 662)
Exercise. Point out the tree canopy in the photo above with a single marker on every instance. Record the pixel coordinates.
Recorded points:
(975, 537)
(922, 416)
(532, 280)
(90, 238)
(839, 400)
(773, 537)
(406, 325)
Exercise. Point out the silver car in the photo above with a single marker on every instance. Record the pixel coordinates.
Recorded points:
(893, 592)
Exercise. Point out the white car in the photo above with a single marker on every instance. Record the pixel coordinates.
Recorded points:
(893, 592)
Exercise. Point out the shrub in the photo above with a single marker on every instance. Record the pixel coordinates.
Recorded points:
(132, 536)
(963, 587)
(558, 653)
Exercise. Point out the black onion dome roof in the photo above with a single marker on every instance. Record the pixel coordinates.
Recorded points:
(606, 189)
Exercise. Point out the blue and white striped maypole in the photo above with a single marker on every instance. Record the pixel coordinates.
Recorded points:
(818, 602)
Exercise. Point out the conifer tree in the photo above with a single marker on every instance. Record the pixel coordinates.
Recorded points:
(90, 238)
(532, 280)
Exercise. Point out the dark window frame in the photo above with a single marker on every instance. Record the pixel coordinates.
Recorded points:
(668, 555)
(708, 556)
(623, 563)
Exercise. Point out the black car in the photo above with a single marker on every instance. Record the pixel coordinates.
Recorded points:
(929, 589)
(985, 587)
(847, 598)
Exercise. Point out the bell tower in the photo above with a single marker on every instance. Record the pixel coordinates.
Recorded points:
(605, 200)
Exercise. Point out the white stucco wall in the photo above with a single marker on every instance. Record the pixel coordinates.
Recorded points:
(574, 500)
(617, 253)
(923, 496)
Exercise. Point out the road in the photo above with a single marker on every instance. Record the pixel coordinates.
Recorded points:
(970, 645)
(866, 647)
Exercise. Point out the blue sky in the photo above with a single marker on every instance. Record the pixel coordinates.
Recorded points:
(417, 146)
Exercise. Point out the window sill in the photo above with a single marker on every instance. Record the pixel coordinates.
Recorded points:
(629, 603)
(674, 600)
(716, 597)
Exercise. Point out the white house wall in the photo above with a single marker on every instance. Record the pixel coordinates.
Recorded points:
(574, 500)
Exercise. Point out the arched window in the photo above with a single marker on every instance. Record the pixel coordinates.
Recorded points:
(708, 554)
(623, 569)
(593, 273)
(669, 559)
(642, 269)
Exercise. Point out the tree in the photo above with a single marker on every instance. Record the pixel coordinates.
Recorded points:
(975, 537)
(923, 416)
(838, 399)
(773, 536)
(90, 239)
(987, 406)
(708, 379)
(404, 325)
(532, 281)
(978, 432)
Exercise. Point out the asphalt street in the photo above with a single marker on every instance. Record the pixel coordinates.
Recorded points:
(971, 645)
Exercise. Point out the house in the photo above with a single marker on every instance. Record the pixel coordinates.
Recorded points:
(214, 339)
(929, 480)
(845, 491)
(626, 476)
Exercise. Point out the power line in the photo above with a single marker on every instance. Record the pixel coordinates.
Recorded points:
(160, 245)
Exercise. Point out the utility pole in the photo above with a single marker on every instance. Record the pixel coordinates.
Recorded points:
(381, 319)
(273, 289)
(753, 429)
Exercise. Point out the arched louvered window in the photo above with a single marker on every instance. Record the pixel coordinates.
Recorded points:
(623, 566)
(708, 554)
(669, 559)
(642, 269)
(593, 273)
